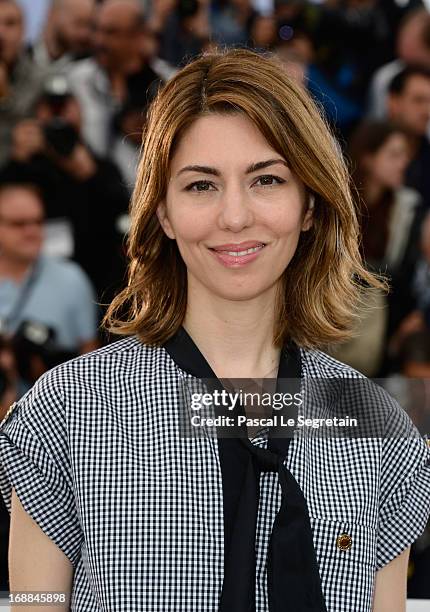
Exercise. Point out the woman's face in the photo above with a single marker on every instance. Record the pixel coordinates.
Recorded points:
(387, 166)
(236, 227)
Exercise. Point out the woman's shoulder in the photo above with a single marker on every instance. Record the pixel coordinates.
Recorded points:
(118, 348)
(125, 354)
(386, 447)
(347, 390)
(98, 372)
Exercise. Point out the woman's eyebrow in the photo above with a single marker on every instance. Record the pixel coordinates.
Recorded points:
(215, 172)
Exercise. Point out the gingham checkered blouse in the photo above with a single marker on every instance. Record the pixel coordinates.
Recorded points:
(94, 454)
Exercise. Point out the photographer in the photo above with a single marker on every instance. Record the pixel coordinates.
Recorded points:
(85, 195)
(66, 36)
(51, 292)
(124, 48)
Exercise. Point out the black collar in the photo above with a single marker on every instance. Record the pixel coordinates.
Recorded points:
(187, 356)
(185, 353)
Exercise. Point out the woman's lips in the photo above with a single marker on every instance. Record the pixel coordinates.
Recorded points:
(236, 258)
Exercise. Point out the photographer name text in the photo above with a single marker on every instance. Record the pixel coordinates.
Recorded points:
(277, 420)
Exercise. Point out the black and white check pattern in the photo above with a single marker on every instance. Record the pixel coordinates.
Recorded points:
(94, 454)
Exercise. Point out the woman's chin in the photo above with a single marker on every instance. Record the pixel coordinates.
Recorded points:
(243, 294)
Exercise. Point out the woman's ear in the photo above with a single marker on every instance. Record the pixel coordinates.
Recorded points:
(161, 213)
(308, 218)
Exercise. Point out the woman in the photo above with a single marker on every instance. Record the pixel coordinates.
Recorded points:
(380, 154)
(243, 260)
(390, 218)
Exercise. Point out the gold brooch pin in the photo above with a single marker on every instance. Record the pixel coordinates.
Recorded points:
(344, 541)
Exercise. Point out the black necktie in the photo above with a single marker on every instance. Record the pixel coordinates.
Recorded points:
(293, 579)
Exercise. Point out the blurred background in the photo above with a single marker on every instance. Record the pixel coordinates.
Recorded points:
(75, 79)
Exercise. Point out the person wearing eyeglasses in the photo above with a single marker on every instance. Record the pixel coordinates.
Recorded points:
(38, 288)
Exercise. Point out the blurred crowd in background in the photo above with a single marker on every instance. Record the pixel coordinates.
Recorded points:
(75, 79)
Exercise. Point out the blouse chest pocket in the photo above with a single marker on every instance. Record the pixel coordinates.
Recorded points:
(347, 541)
(346, 555)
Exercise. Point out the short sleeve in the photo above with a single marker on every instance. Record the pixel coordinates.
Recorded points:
(34, 460)
(404, 492)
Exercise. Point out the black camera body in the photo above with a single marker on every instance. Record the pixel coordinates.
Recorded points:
(35, 339)
(61, 136)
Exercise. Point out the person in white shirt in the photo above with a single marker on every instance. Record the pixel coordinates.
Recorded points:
(100, 83)
(66, 35)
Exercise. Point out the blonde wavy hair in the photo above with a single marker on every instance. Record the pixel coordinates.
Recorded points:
(323, 286)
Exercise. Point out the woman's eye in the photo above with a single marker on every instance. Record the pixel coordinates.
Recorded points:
(201, 186)
(268, 178)
(266, 181)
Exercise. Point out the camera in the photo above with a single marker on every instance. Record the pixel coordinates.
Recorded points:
(36, 350)
(60, 135)
(31, 351)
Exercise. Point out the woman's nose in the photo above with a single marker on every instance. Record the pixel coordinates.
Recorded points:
(235, 210)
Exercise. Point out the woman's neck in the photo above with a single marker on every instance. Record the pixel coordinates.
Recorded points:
(235, 337)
